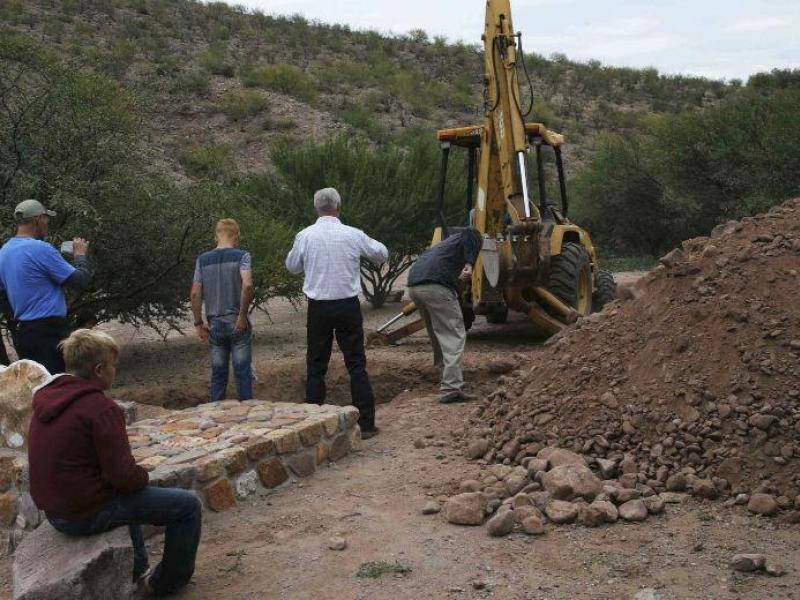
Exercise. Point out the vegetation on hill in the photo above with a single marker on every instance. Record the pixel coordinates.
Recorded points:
(143, 120)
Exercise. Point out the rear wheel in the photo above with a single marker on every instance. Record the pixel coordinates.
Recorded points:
(571, 277)
(606, 291)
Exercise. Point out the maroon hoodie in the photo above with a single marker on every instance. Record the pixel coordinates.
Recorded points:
(78, 450)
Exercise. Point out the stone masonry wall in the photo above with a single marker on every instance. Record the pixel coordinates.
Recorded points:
(227, 450)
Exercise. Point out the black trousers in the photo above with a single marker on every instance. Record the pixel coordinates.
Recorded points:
(38, 341)
(343, 319)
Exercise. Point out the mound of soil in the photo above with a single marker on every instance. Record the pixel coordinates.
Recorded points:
(695, 374)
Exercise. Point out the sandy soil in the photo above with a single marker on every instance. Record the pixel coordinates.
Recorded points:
(275, 545)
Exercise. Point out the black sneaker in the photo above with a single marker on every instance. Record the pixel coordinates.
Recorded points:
(369, 433)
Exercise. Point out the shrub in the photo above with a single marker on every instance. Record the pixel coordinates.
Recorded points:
(193, 81)
(387, 192)
(287, 79)
(215, 60)
(212, 161)
(243, 104)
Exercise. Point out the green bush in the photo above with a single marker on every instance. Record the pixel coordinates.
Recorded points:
(360, 118)
(388, 192)
(212, 161)
(679, 176)
(288, 79)
(215, 60)
(193, 81)
(72, 139)
(243, 104)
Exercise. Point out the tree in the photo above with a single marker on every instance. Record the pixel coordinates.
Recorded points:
(71, 139)
(388, 192)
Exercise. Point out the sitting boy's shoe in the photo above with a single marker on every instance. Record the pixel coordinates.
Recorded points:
(369, 433)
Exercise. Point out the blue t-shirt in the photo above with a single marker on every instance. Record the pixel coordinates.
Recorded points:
(219, 272)
(31, 274)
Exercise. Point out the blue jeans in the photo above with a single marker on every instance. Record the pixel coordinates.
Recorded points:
(177, 509)
(227, 346)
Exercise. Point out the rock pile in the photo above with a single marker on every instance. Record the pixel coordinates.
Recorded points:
(692, 384)
(555, 486)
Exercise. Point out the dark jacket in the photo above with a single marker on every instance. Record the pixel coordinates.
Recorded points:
(442, 264)
(78, 450)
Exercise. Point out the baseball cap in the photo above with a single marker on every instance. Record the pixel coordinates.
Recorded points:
(27, 209)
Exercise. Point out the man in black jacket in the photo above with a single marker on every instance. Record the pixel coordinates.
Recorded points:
(434, 286)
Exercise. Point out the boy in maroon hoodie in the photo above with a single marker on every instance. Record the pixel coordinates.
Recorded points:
(83, 475)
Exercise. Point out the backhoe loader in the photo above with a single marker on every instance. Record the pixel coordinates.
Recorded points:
(534, 259)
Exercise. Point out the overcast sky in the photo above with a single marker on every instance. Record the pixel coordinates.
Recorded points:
(722, 39)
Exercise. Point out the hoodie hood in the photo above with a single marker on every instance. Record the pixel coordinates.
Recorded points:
(54, 398)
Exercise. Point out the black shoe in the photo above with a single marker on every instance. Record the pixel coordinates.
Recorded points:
(369, 433)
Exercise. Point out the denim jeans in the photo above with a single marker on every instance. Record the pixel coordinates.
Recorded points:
(227, 346)
(177, 509)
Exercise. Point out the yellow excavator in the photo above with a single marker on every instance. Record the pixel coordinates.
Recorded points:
(534, 259)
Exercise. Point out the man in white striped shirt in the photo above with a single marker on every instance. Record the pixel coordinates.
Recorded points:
(330, 253)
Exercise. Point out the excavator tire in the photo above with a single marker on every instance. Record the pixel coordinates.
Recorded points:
(497, 316)
(606, 291)
(571, 277)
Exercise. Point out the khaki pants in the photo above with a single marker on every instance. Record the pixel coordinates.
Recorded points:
(440, 309)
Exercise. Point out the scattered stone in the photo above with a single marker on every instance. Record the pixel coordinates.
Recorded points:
(676, 483)
(337, 543)
(469, 485)
(559, 511)
(465, 509)
(557, 457)
(590, 515)
(705, 488)
(608, 468)
(610, 512)
(742, 499)
(654, 504)
(763, 504)
(431, 508)
(501, 524)
(570, 481)
(533, 526)
(478, 448)
(747, 563)
(633, 510)
(673, 497)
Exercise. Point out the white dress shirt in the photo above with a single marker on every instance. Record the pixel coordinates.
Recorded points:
(330, 254)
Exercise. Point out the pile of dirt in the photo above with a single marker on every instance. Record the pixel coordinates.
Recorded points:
(693, 378)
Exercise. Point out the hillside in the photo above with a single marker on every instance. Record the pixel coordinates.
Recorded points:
(215, 83)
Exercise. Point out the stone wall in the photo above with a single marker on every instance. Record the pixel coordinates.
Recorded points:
(228, 450)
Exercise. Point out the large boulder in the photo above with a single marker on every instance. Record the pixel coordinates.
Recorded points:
(50, 565)
(465, 509)
(559, 456)
(17, 383)
(568, 482)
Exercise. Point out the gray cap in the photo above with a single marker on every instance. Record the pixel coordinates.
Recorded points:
(27, 209)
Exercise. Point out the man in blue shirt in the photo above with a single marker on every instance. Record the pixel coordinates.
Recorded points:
(33, 276)
(223, 281)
